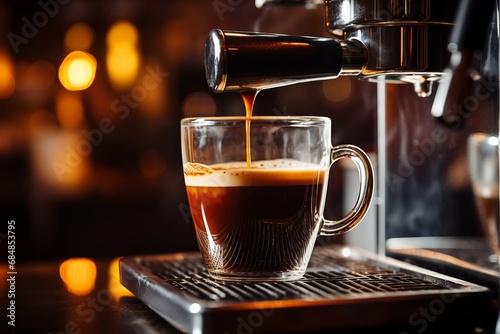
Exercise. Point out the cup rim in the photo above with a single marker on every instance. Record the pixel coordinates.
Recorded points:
(303, 120)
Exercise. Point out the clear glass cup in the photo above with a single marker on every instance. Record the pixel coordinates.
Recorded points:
(257, 188)
(483, 168)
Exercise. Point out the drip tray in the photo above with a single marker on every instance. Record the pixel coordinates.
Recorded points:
(344, 289)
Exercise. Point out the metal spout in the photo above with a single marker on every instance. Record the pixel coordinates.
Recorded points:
(237, 61)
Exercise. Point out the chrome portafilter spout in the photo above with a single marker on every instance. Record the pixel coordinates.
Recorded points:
(236, 61)
(398, 42)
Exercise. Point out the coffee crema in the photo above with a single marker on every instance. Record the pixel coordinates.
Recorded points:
(255, 220)
(237, 174)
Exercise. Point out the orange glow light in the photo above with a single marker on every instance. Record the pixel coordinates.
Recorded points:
(79, 275)
(116, 289)
(7, 81)
(77, 71)
(69, 109)
(79, 36)
(61, 158)
(122, 58)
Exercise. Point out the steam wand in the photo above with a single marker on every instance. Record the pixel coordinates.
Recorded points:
(465, 45)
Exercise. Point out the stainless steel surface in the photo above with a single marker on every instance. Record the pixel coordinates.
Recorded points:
(397, 42)
(344, 288)
(354, 14)
(405, 40)
(468, 258)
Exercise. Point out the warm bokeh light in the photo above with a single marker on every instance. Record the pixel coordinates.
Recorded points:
(116, 289)
(122, 33)
(122, 57)
(77, 71)
(80, 73)
(61, 158)
(199, 104)
(7, 80)
(79, 36)
(122, 64)
(69, 109)
(79, 275)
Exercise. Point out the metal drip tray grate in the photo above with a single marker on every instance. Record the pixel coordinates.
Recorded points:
(345, 277)
(340, 281)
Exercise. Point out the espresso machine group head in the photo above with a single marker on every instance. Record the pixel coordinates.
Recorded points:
(405, 41)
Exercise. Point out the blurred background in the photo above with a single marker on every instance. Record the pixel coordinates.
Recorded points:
(91, 95)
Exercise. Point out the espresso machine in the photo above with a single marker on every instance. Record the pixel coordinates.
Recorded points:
(436, 69)
(435, 64)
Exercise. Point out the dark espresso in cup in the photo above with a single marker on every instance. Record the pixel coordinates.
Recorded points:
(259, 220)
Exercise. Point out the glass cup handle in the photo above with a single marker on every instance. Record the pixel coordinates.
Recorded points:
(365, 195)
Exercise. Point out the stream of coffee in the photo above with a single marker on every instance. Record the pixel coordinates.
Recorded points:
(249, 100)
